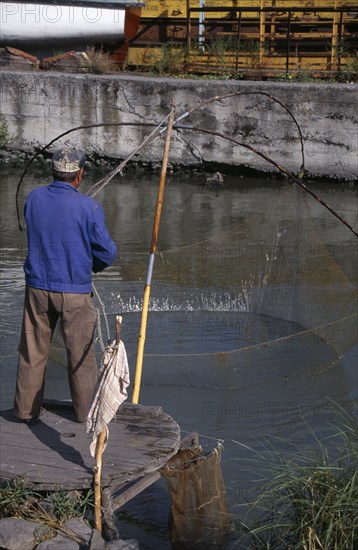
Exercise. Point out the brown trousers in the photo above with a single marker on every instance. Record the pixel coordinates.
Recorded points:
(77, 315)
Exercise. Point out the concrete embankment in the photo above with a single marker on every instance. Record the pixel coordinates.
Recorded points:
(38, 106)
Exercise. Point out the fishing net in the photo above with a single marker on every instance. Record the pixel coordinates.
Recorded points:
(267, 294)
(277, 296)
(199, 516)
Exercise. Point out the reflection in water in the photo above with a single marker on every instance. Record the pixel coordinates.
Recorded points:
(252, 328)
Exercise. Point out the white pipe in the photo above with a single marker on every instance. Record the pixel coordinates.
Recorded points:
(38, 24)
(201, 25)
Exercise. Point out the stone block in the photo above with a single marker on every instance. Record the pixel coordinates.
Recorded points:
(97, 542)
(80, 527)
(17, 534)
(59, 543)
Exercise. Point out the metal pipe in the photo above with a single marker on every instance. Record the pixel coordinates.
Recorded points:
(288, 41)
(201, 25)
(340, 40)
(238, 41)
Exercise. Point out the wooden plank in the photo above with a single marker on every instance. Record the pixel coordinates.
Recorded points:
(147, 411)
(118, 500)
(55, 453)
(121, 495)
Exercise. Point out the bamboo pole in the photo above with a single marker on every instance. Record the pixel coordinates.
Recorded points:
(153, 248)
(97, 480)
(99, 452)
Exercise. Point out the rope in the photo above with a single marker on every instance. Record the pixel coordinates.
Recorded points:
(234, 94)
(99, 327)
(206, 436)
(209, 239)
(193, 244)
(249, 384)
(156, 133)
(261, 344)
(276, 165)
(92, 192)
(45, 147)
(99, 331)
(99, 185)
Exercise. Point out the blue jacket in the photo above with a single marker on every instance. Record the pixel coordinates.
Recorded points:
(67, 239)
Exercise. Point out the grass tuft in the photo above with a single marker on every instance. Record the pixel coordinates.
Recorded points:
(311, 500)
(50, 510)
(100, 62)
(17, 500)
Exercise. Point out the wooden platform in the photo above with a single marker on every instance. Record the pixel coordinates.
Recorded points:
(54, 454)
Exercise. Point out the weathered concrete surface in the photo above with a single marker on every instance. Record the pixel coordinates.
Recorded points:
(39, 106)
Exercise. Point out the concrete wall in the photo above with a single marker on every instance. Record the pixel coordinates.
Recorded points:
(39, 106)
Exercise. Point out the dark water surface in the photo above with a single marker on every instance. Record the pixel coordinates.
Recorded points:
(242, 275)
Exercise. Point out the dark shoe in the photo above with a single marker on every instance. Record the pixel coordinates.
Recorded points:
(27, 421)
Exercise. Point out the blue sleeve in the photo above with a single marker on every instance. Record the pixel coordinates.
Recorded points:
(104, 250)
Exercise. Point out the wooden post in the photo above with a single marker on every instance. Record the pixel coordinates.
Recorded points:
(153, 248)
(99, 452)
(109, 529)
(97, 481)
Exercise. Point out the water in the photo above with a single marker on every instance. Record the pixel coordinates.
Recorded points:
(241, 274)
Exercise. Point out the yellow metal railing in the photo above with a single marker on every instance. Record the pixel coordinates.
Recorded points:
(261, 36)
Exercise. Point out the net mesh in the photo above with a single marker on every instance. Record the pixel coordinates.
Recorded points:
(287, 309)
(199, 516)
(277, 297)
(277, 301)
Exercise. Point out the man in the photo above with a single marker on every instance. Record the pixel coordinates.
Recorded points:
(67, 240)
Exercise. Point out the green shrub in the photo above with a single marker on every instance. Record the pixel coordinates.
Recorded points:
(349, 70)
(64, 505)
(165, 60)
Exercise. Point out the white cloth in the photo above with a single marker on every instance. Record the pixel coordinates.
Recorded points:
(110, 392)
